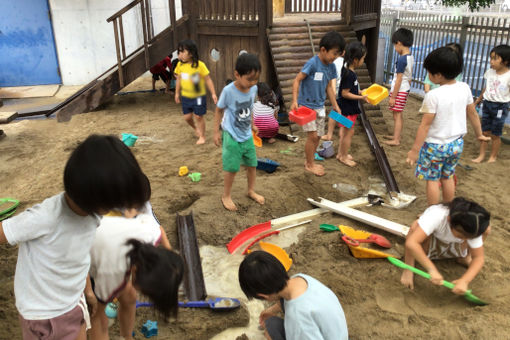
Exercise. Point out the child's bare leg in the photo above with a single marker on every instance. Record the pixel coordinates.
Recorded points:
(188, 117)
(483, 148)
(153, 84)
(397, 129)
(448, 186)
(331, 129)
(127, 311)
(99, 324)
(311, 144)
(496, 144)
(251, 172)
(200, 129)
(433, 192)
(226, 199)
(345, 145)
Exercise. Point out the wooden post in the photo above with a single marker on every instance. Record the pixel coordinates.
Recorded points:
(269, 6)
(288, 6)
(389, 65)
(192, 22)
(122, 44)
(347, 11)
(148, 19)
(171, 6)
(117, 49)
(463, 32)
(144, 29)
(373, 43)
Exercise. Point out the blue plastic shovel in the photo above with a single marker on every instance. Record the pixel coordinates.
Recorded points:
(340, 119)
(216, 304)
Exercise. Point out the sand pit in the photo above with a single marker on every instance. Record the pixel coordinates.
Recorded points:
(32, 159)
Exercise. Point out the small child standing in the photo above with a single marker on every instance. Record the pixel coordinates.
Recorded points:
(55, 237)
(339, 65)
(456, 230)
(312, 310)
(236, 101)
(264, 113)
(439, 140)
(496, 99)
(163, 71)
(348, 97)
(316, 79)
(192, 76)
(402, 41)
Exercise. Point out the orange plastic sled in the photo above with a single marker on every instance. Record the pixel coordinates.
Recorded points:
(277, 252)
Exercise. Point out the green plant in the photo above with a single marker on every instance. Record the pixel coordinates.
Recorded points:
(473, 4)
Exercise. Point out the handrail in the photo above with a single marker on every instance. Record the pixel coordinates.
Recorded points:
(123, 10)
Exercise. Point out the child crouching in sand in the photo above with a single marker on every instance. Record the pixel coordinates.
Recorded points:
(456, 230)
(264, 113)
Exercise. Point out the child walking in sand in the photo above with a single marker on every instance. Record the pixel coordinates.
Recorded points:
(439, 140)
(496, 99)
(264, 113)
(236, 101)
(55, 237)
(311, 310)
(316, 79)
(124, 256)
(402, 41)
(348, 97)
(456, 230)
(192, 76)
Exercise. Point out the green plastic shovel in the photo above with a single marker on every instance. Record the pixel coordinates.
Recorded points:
(7, 207)
(468, 296)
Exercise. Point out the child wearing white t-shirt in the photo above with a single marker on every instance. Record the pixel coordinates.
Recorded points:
(55, 237)
(339, 65)
(496, 98)
(439, 140)
(457, 230)
(124, 256)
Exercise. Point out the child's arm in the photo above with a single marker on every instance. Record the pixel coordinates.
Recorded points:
(210, 86)
(90, 297)
(3, 239)
(472, 115)
(269, 312)
(421, 134)
(164, 239)
(295, 89)
(414, 243)
(178, 89)
(396, 88)
(426, 88)
(480, 97)
(331, 91)
(461, 285)
(218, 115)
(348, 95)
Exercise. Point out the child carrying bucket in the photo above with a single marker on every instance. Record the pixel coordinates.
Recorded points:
(456, 230)
(348, 97)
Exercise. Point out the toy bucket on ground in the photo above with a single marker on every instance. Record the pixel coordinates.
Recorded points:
(326, 150)
(129, 139)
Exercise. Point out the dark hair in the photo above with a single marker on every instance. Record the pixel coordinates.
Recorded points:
(403, 35)
(468, 217)
(102, 174)
(228, 81)
(444, 60)
(261, 273)
(332, 40)
(192, 48)
(158, 275)
(266, 95)
(504, 52)
(354, 50)
(247, 63)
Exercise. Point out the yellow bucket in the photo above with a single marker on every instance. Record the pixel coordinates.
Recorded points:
(375, 93)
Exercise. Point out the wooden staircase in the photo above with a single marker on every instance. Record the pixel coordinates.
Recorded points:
(291, 47)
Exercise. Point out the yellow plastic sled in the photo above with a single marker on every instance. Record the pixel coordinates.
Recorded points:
(277, 252)
(362, 252)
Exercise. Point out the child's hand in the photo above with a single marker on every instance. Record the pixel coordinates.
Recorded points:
(392, 102)
(483, 138)
(293, 106)
(461, 287)
(177, 98)
(436, 277)
(255, 129)
(365, 98)
(266, 314)
(91, 303)
(217, 138)
(215, 99)
(412, 157)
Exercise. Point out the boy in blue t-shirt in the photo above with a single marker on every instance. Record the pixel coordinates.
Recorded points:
(317, 78)
(236, 101)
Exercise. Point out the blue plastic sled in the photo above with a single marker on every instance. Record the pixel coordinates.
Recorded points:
(340, 119)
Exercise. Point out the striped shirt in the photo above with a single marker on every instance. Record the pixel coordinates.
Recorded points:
(264, 120)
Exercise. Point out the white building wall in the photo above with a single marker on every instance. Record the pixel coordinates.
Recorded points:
(85, 42)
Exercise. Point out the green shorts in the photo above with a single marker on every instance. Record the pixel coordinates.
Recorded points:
(235, 153)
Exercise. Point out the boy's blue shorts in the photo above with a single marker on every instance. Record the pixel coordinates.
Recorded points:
(493, 117)
(197, 105)
(438, 161)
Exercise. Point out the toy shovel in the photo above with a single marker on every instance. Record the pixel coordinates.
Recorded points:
(373, 238)
(468, 295)
(216, 304)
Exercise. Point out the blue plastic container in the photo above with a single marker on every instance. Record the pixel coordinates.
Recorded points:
(129, 139)
(340, 119)
(266, 164)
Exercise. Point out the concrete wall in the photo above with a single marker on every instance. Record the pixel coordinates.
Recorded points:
(85, 41)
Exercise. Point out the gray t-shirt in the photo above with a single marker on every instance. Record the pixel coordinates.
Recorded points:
(315, 315)
(53, 257)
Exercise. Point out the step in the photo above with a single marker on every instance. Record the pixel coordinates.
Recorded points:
(312, 22)
(292, 49)
(298, 56)
(292, 36)
(304, 28)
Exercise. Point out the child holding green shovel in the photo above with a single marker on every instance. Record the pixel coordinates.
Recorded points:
(456, 230)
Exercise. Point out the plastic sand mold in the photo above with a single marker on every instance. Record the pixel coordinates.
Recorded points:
(257, 141)
(195, 176)
(361, 252)
(129, 139)
(183, 170)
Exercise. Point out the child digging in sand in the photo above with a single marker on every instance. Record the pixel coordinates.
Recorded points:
(192, 76)
(456, 230)
(236, 101)
(348, 97)
(316, 79)
(264, 113)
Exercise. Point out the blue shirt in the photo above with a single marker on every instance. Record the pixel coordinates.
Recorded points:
(315, 315)
(312, 90)
(238, 111)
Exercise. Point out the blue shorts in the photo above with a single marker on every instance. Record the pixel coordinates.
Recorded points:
(275, 325)
(196, 105)
(493, 117)
(438, 161)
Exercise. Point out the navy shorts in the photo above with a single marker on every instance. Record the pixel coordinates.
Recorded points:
(197, 105)
(165, 76)
(275, 325)
(493, 117)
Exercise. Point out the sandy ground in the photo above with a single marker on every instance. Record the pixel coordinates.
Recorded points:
(33, 155)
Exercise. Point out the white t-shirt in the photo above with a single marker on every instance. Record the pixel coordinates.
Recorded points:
(109, 267)
(448, 103)
(403, 64)
(497, 88)
(315, 315)
(339, 64)
(434, 220)
(53, 257)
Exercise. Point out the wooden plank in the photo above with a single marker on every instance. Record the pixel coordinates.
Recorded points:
(123, 10)
(231, 30)
(8, 116)
(117, 50)
(122, 44)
